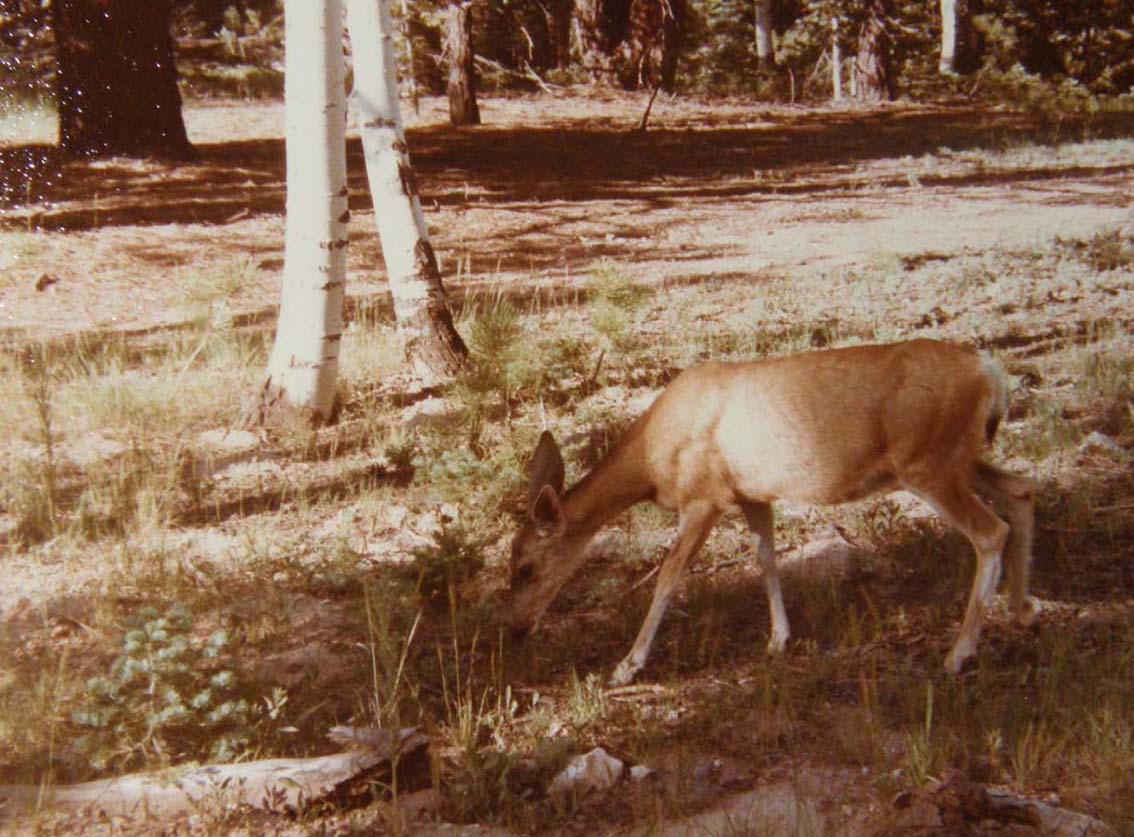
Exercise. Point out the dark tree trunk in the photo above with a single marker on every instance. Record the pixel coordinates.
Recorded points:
(463, 109)
(873, 72)
(116, 83)
(632, 42)
(601, 25)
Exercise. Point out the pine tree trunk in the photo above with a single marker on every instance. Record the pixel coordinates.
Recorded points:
(873, 74)
(421, 308)
(116, 84)
(765, 53)
(303, 367)
(463, 109)
(599, 26)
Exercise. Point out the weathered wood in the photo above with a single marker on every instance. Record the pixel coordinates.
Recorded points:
(268, 784)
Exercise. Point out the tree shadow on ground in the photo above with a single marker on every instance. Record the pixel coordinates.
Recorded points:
(803, 152)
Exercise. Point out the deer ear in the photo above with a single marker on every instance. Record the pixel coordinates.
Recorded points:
(546, 512)
(545, 469)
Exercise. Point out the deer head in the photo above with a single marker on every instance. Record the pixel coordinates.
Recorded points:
(542, 550)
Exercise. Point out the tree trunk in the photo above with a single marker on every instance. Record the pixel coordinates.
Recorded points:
(650, 47)
(463, 109)
(303, 367)
(635, 43)
(947, 65)
(836, 62)
(873, 74)
(599, 26)
(116, 84)
(959, 50)
(421, 308)
(765, 53)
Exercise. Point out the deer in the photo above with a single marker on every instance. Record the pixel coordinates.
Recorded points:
(822, 428)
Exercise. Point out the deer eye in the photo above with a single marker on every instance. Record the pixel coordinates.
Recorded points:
(523, 574)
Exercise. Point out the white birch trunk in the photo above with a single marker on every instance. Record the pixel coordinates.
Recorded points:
(836, 62)
(765, 53)
(948, 62)
(420, 307)
(303, 367)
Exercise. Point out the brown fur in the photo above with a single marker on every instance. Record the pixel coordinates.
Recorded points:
(821, 427)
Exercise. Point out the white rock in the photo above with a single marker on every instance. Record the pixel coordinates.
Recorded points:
(1100, 441)
(596, 770)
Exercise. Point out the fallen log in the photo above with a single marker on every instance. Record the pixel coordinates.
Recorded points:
(273, 785)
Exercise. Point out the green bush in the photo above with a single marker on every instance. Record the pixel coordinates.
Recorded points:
(453, 558)
(168, 697)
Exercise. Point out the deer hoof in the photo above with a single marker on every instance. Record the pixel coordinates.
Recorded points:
(777, 644)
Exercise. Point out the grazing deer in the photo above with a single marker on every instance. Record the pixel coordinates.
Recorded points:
(821, 427)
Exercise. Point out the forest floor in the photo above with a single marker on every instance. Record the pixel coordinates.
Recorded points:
(313, 579)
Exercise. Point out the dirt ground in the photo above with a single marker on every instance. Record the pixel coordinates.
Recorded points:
(545, 187)
(715, 195)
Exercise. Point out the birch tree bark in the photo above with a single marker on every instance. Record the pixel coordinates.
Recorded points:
(765, 54)
(947, 65)
(960, 48)
(303, 367)
(421, 309)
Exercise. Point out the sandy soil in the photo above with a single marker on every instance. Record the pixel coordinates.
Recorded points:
(548, 185)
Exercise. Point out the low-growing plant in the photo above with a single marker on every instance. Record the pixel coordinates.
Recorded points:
(501, 363)
(30, 490)
(1106, 250)
(921, 756)
(389, 644)
(455, 557)
(613, 303)
(168, 697)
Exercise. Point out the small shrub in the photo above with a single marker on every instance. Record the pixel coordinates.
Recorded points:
(500, 364)
(454, 558)
(613, 304)
(1104, 251)
(166, 698)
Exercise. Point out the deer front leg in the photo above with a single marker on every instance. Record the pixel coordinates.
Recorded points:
(761, 522)
(695, 523)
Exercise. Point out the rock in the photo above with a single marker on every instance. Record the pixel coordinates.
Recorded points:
(639, 773)
(1100, 441)
(593, 771)
(773, 809)
(428, 411)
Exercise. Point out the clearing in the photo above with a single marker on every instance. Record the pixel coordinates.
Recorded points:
(338, 574)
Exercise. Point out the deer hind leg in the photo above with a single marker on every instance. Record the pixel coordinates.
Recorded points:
(761, 522)
(694, 525)
(1016, 496)
(988, 534)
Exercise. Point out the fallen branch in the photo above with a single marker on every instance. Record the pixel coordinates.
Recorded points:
(528, 74)
(274, 785)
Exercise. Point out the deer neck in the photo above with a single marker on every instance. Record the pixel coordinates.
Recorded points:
(618, 482)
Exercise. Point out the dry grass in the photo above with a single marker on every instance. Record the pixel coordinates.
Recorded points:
(354, 591)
